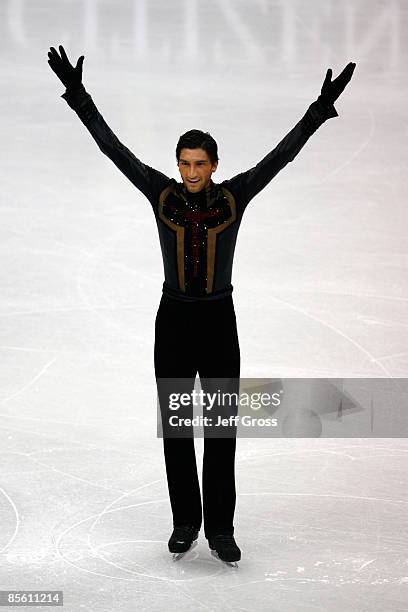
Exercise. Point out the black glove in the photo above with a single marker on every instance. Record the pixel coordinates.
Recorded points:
(71, 77)
(332, 89)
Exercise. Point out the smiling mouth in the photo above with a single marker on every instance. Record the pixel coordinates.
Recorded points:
(193, 181)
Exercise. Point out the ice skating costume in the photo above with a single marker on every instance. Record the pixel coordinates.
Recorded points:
(197, 231)
(197, 235)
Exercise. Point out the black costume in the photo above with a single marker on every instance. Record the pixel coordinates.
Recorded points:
(195, 324)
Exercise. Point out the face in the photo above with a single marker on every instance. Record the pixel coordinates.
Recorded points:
(195, 168)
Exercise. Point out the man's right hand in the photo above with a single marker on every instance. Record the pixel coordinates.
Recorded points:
(71, 77)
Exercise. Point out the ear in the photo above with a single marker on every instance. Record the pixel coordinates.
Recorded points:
(214, 167)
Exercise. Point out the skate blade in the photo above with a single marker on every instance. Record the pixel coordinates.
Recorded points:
(229, 563)
(179, 556)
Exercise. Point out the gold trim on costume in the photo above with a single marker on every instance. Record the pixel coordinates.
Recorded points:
(180, 238)
(212, 238)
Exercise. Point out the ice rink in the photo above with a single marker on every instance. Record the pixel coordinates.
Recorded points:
(320, 290)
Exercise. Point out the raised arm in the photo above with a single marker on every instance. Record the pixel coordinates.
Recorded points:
(148, 180)
(251, 182)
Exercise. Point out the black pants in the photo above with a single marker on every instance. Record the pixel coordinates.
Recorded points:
(201, 337)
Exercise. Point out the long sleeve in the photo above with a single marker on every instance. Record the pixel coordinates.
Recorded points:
(148, 180)
(247, 184)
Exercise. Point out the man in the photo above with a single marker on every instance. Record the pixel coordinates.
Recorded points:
(196, 330)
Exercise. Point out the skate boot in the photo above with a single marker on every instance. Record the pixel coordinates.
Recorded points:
(226, 547)
(182, 538)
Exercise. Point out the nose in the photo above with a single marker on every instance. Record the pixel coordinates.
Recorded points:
(192, 172)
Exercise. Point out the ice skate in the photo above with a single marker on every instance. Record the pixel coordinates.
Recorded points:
(226, 548)
(181, 539)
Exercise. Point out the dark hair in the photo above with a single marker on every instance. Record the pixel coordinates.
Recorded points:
(196, 139)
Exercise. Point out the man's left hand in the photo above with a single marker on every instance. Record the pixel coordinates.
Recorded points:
(332, 89)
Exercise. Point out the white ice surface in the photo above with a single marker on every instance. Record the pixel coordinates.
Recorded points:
(320, 289)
